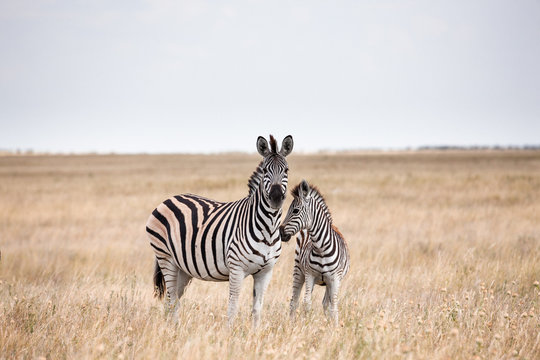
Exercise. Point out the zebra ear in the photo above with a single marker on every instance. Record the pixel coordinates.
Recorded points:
(304, 189)
(262, 146)
(286, 146)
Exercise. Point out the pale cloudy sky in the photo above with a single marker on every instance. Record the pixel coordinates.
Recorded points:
(205, 76)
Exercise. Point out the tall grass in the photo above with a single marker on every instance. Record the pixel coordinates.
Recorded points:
(445, 250)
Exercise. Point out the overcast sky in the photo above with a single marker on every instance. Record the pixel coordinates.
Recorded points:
(207, 76)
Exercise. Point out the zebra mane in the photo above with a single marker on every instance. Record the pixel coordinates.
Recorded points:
(273, 144)
(337, 231)
(315, 193)
(255, 179)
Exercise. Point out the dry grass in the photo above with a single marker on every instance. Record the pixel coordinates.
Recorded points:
(444, 248)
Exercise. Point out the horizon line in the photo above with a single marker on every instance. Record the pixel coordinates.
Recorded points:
(442, 148)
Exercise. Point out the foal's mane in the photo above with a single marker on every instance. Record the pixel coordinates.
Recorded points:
(316, 194)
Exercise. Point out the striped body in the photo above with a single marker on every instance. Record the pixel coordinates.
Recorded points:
(321, 255)
(204, 238)
(196, 237)
(331, 262)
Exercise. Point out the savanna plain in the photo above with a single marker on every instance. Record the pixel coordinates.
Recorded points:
(445, 258)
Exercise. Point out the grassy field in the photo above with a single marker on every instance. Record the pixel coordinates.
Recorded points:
(445, 259)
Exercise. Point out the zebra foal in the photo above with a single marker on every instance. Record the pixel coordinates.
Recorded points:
(321, 255)
(196, 237)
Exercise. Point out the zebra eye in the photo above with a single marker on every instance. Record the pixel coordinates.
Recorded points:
(286, 170)
(295, 211)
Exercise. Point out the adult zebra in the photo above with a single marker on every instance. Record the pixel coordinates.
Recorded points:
(321, 255)
(195, 237)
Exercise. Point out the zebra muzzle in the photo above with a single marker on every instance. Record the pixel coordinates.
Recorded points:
(284, 237)
(276, 196)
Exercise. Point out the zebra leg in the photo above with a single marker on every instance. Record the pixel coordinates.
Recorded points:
(298, 282)
(170, 274)
(326, 300)
(333, 289)
(260, 284)
(182, 282)
(235, 283)
(310, 280)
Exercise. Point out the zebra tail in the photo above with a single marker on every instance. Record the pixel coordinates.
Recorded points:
(159, 282)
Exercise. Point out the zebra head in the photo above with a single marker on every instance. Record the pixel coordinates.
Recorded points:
(274, 169)
(299, 215)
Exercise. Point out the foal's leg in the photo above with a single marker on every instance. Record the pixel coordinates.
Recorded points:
(326, 301)
(310, 281)
(298, 283)
(333, 289)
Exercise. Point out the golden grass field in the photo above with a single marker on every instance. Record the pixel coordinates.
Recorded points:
(445, 258)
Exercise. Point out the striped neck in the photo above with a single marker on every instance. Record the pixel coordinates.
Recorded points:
(320, 230)
(267, 217)
(318, 204)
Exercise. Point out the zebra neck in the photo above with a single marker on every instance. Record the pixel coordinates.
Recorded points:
(321, 234)
(268, 217)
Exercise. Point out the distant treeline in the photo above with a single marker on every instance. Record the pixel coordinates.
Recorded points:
(480, 147)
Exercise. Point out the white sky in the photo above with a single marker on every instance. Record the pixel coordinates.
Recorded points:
(206, 76)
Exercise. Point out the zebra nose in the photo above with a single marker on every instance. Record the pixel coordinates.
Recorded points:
(276, 195)
(284, 237)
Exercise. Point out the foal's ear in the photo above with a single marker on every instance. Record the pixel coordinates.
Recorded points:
(286, 146)
(304, 189)
(262, 146)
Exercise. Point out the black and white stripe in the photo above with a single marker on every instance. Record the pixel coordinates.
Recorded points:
(321, 255)
(196, 237)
